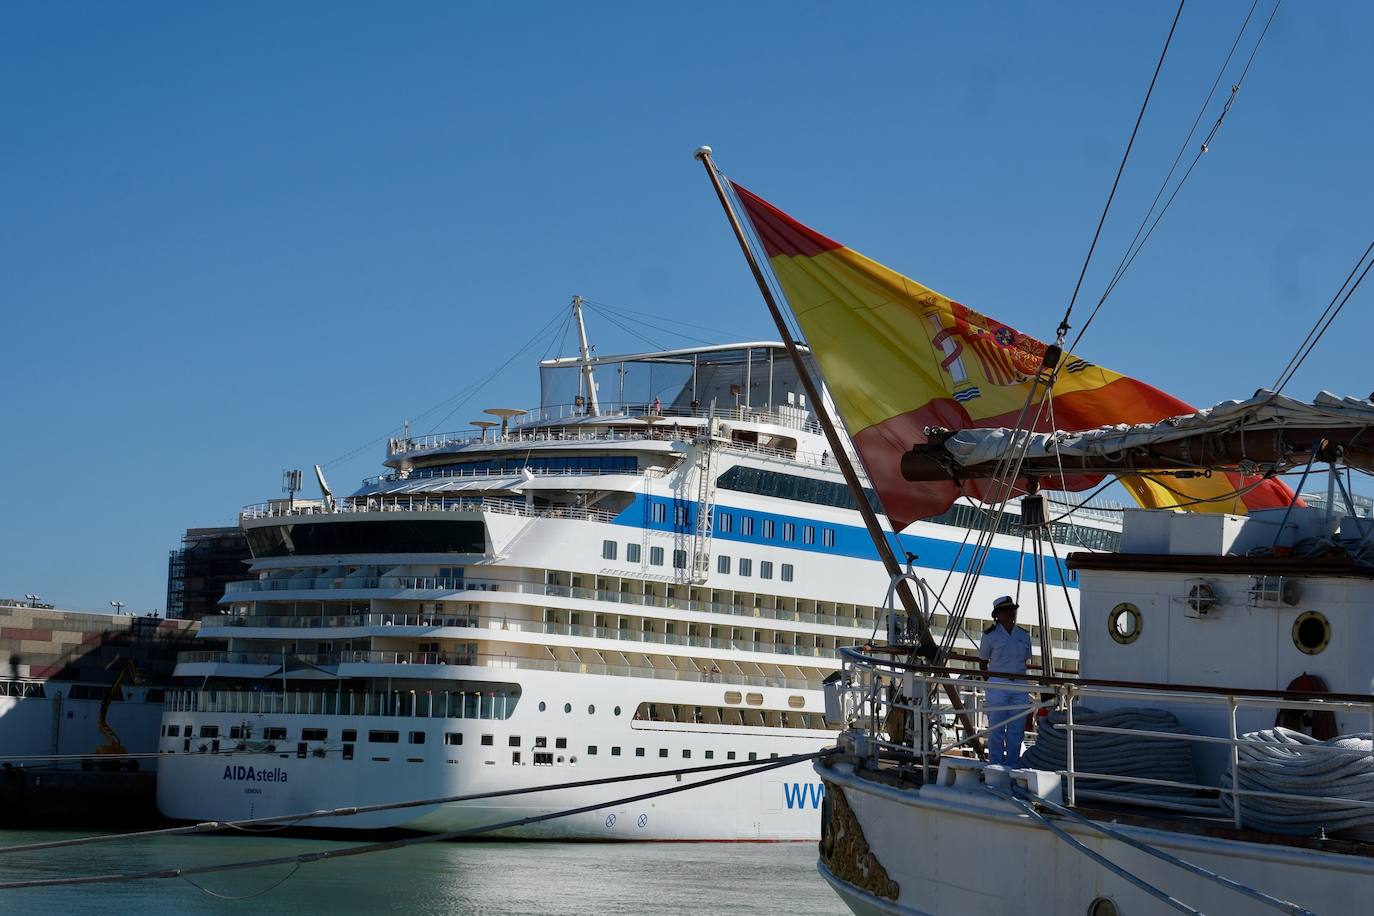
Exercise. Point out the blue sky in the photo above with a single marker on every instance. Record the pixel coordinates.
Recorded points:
(239, 238)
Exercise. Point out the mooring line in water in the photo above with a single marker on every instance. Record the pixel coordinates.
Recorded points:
(365, 849)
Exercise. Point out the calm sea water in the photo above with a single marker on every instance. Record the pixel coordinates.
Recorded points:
(429, 879)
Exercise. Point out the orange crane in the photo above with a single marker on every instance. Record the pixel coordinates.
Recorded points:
(113, 746)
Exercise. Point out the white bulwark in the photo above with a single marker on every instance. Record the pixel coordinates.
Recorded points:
(656, 577)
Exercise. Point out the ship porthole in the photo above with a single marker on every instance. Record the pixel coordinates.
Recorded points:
(1103, 906)
(617, 710)
(567, 707)
(1311, 632)
(1124, 625)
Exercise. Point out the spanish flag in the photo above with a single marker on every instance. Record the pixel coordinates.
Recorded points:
(898, 358)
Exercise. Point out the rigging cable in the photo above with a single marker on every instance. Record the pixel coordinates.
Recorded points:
(1064, 324)
(466, 393)
(1318, 328)
(1138, 242)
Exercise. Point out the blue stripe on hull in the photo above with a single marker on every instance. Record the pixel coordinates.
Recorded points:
(850, 540)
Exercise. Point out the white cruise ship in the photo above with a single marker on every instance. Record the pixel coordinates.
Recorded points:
(652, 570)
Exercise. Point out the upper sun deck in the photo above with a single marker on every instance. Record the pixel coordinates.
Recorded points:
(631, 400)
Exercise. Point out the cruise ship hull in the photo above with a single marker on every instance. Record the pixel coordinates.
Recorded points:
(215, 780)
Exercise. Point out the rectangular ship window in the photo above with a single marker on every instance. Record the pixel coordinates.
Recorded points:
(746, 525)
(655, 556)
(746, 566)
(417, 737)
(453, 738)
(615, 751)
(314, 734)
(828, 537)
(639, 752)
(350, 734)
(561, 743)
(808, 534)
(384, 737)
(765, 569)
(679, 559)
(631, 553)
(513, 741)
(723, 564)
(768, 528)
(789, 531)
(608, 550)
(488, 740)
(723, 520)
(591, 750)
(787, 572)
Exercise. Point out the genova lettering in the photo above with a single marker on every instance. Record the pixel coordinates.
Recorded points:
(248, 774)
(798, 794)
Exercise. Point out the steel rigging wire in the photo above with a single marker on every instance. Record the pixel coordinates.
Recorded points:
(465, 393)
(1138, 242)
(1009, 465)
(1323, 322)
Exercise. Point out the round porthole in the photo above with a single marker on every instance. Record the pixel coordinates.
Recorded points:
(542, 706)
(567, 707)
(1124, 625)
(617, 710)
(591, 710)
(1103, 906)
(1311, 632)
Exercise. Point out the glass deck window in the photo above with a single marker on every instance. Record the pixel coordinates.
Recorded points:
(768, 529)
(723, 522)
(789, 531)
(608, 550)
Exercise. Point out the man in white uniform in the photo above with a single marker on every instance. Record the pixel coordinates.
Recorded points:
(1003, 654)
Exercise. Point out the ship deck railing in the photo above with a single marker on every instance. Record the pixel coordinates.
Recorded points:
(903, 714)
(439, 662)
(571, 418)
(445, 584)
(365, 504)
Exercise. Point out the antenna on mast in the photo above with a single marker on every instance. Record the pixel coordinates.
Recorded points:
(588, 380)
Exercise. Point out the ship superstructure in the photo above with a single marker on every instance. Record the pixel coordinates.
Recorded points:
(654, 568)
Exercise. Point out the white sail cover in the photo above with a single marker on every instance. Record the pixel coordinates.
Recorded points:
(1265, 411)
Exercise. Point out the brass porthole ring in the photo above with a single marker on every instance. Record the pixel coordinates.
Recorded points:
(1124, 623)
(1311, 632)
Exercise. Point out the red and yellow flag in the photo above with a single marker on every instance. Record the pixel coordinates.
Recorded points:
(898, 358)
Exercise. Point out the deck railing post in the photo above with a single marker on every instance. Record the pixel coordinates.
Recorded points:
(1068, 726)
(1235, 762)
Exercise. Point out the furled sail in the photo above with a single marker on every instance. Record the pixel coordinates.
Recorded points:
(899, 358)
